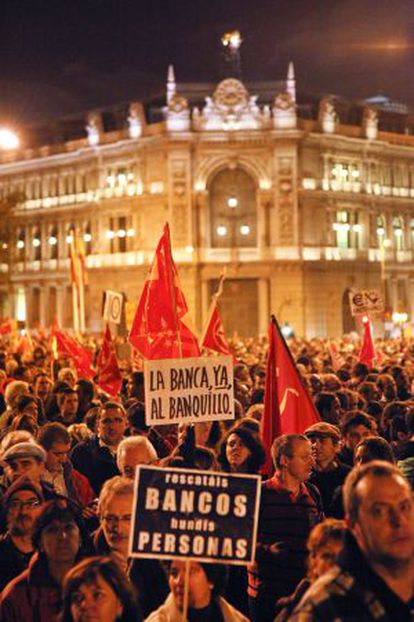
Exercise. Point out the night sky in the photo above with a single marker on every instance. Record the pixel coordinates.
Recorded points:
(60, 57)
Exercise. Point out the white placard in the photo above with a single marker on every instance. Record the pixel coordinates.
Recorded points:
(366, 301)
(189, 390)
(113, 306)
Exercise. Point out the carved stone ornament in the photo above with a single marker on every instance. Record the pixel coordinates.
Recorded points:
(230, 108)
(327, 115)
(370, 123)
(284, 111)
(94, 128)
(134, 120)
(177, 104)
(177, 114)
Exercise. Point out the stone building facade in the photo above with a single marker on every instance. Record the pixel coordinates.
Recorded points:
(297, 200)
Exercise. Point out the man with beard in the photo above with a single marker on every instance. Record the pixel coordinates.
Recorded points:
(22, 503)
(373, 579)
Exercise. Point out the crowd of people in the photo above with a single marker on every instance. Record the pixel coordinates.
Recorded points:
(336, 520)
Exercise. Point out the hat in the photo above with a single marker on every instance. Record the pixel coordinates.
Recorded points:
(22, 483)
(324, 429)
(24, 450)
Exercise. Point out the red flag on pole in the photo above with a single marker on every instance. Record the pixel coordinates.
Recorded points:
(160, 329)
(214, 337)
(288, 407)
(66, 345)
(367, 354)
(109, 375)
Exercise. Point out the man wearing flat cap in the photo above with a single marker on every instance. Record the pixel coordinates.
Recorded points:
(328, 472)
(27, 459)
(22, 502)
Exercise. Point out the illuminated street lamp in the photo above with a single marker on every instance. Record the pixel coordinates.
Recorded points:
(8, 140)
(232, 40)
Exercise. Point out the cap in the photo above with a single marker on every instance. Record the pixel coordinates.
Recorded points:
(323, 429)
(22, 483)
(24, 450)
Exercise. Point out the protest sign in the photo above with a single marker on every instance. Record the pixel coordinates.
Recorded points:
(192, 514)
(365, 301)
(112, 311)
(188, 390)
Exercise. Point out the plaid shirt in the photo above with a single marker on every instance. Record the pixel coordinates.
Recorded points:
(352, 592)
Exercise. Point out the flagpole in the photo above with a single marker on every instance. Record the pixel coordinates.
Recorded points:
(75, 307)
(82, 305)
(213, 303)
(172, 284)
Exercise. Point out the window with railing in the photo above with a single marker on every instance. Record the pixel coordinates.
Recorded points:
(347, 229)
(398, 233)
(37, 245)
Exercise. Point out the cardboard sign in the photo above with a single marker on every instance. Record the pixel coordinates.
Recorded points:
(112, 311)
(192, 514)
(188, 390)
(365, 301)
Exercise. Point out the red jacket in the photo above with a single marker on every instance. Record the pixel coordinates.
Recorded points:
(33, 596)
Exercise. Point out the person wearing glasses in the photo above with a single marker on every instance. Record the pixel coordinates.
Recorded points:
(112, 539)
(132, 451)
(22, 503)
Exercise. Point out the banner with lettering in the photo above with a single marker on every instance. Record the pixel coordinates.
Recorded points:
(188, 390)
(191, 514)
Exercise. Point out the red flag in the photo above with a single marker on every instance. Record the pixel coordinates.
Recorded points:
(288, 407)
(82, 358)
(160, 328)
(7, 326)
(214, 337)
(109, 375)
(367, 354)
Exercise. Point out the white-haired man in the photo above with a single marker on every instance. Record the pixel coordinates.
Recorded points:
(131, 452)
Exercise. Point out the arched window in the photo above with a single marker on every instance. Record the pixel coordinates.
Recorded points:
(233, 212)
(381, 230)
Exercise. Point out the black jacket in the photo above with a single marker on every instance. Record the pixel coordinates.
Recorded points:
(95, 462)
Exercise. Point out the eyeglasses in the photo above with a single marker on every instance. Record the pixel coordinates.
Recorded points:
(16, 504)
(113, 521)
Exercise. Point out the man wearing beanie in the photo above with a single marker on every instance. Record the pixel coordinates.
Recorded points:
(22, 503)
